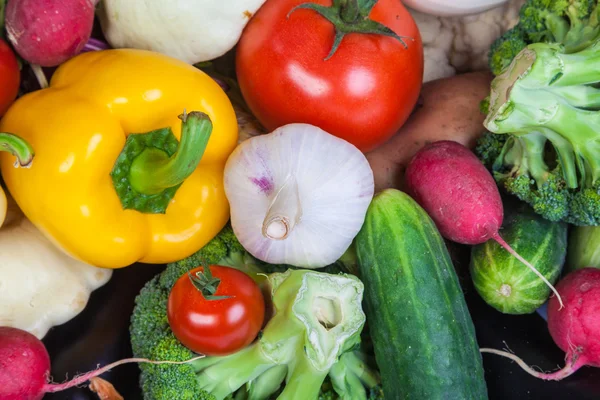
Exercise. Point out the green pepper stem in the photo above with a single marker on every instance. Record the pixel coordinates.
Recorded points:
(153, 171)
(17, 147)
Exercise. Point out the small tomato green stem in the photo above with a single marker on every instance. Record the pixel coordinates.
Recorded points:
(153, 171)
(18, 148)
(349, 11)
(206, 283)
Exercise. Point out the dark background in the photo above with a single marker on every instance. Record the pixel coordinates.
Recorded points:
(99, 336)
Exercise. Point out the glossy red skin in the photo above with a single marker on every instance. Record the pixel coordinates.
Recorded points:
(576, 327)
(24, 365)
(363, 94)
(457, 191)
(216, 327)
(10, 77)
(49, 32)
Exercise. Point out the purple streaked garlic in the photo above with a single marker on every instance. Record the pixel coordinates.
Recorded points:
(298, 195)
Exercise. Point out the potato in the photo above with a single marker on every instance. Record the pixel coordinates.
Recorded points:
(448, 110)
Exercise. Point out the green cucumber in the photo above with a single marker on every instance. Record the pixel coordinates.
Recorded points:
(423, 334)
(584, 247)
(502, 280)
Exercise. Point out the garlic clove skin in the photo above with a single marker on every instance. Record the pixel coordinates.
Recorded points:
(298, 195)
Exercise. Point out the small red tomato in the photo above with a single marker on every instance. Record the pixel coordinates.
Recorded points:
(363, 93)
(215, 322)
(10, 77)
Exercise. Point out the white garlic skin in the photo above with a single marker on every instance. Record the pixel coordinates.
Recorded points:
(334, 189)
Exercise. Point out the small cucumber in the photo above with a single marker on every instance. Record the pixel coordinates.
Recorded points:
(504, 282)
(584, 247)
(422, 332)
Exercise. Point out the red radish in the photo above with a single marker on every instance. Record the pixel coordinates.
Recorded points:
(460, 195)
(49, 32)
(575, 329)
(25, 367)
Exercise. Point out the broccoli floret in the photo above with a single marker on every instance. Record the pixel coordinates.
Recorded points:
(489, 147)
(308, 338)
(151, 338)
(504, 49)
(484, 105)
(572, 23)
(224, 249)
(547, 106)
(585, 207)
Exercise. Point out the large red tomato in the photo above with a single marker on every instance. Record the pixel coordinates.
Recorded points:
(364, 93)
(221, 325)
(9, 77)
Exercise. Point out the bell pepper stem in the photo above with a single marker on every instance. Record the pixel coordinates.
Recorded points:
(153, 171)
(18, 148)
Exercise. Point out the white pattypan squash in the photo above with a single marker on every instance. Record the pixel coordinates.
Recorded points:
(190, 30)
(40, 286)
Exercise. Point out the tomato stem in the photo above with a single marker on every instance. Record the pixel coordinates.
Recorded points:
(206, 283)
(351, 16)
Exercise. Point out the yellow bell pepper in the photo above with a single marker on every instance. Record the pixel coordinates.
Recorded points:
(106, 195)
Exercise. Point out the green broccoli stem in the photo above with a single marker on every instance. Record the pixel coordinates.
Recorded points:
(579, 96)
(566, 157)
(583, 31)
(267, 383)
(346, 384)
(523, 99)
(304, 381)
(241, 395)
(527, 155)
(580, 127)
(232, 372)
(557, 27)
(358, 367)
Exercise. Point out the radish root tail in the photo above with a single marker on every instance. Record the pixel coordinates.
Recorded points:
(572, 365)
(507, 247)
(39, 74)
(57, 387)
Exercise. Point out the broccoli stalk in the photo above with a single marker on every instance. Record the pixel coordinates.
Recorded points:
(545, 100)
(575, 24)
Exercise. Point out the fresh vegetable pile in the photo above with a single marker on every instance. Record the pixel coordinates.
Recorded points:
(300, 185)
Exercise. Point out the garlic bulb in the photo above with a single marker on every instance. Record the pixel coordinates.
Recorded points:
(298, 195)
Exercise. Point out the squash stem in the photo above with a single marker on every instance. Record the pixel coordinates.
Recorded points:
(284, 213)
(153, 171)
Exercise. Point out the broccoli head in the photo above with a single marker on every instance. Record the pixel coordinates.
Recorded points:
(546, 105)
(309, 349)
(572, 23)
(224, 249)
